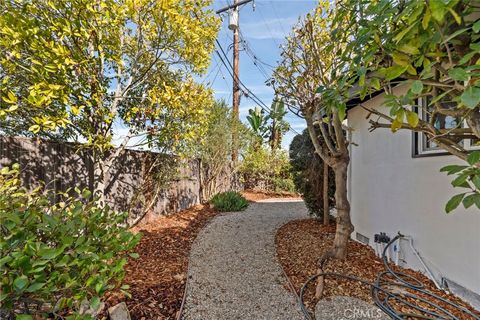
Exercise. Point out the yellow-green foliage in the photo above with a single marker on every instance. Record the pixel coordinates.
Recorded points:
(57, 254)
(72, 69)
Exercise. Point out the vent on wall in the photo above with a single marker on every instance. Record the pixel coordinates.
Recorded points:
(361, 238)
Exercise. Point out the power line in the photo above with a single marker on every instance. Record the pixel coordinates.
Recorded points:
(248, 93)
(268, 28)
(211, 71)
(278, 18)
(253, 57)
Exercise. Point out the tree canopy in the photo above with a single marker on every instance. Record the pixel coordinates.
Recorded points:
(74, 70)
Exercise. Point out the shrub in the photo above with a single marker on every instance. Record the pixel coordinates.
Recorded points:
(229, 201)
(283, 184)
(266, 170)
(307, 168)
(57, 255)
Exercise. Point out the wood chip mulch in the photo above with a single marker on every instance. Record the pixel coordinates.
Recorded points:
(301, 243)
(157, 277)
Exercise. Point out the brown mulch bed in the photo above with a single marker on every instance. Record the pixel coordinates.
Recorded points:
(254, 195)
(157, 277)
(301, 243)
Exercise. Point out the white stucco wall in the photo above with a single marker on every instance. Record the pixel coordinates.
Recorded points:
(390, 191)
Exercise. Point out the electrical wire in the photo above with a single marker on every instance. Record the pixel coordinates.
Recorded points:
(247, 92)
(250, 94)
(252, 56)
(382, 294)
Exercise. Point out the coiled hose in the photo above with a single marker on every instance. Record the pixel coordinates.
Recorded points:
(383, 295)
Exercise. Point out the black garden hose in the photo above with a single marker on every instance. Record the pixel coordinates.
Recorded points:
(383, 285)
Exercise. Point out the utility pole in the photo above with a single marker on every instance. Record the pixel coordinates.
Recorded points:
(236, 85)
(234, 25)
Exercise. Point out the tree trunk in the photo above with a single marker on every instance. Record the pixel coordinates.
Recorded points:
(326, 207)
(344, 224)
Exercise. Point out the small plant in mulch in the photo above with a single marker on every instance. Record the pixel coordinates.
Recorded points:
(229, 201)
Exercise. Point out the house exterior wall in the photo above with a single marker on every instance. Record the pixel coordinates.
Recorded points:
(392, 192)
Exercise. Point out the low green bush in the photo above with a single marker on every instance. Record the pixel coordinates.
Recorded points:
(229, 201)
(57, 255)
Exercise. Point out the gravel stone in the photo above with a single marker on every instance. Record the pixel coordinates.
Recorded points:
(347, 308)
(233, 269)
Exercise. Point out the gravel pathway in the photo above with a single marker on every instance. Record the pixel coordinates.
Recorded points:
(233, 269)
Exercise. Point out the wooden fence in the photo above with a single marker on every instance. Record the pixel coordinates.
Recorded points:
(61, 166)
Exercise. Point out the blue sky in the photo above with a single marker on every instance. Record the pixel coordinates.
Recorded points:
(264, 30)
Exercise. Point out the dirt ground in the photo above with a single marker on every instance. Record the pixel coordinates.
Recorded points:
(301, 243)
(253, 195)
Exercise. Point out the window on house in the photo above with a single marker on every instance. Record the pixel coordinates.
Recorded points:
(423, 145)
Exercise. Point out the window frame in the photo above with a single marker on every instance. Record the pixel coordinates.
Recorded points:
(419, 138)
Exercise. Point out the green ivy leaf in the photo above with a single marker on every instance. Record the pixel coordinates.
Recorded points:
(375, 83)
(20, 282)
(394, 72)
(23, 317)
(48, 254)
(95, 302)
(134, 255)
(476, 182)
(469, 200)
(461, 181)
(451, 169)
(473, 157)
(471, 97)
(476, 26)
(466, 58)
(36, 286)
(453, 203)
(417, 87)
(477, 202)
(458, 74)
(98, 287)
(438, 9)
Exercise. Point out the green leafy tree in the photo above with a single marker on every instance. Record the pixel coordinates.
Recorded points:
(306, 78)
(258, 123)
(214, 151)
(433, 48)
(75, 70)
(308, 175)
(278, 126)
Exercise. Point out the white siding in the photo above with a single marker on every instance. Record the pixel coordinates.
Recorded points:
(390, 191)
